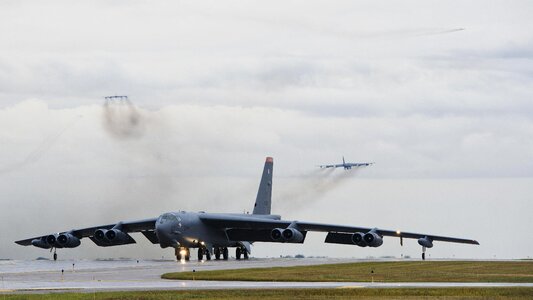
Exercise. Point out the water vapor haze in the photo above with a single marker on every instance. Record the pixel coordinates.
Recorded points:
(122, 119)
(37, 153)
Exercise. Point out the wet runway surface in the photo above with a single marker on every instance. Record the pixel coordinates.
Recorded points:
(89, 275)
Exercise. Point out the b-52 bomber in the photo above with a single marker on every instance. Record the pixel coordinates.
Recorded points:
(212, 234)
(346, 165)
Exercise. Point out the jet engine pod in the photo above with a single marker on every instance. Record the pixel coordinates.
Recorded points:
(425, 242)
(41, 243)
(358, 239)
(292, 235)
(276, 234)
(68, 240)
(116, 236)
(52, 241)
(100, 234)
(373, 239)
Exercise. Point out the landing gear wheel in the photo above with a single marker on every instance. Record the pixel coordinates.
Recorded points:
(177, 252)
(207, 254)
(245, 253)
(217, 253)
(55, 256)
(238, 253)
(187, 254)
(200, 254)
(423, 256)
(225, 253)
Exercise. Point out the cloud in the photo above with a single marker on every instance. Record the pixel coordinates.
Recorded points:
(217, 88)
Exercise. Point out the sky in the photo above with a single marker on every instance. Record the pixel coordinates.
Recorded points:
(437, 94)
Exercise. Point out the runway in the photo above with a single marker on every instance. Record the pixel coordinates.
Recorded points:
(43, 276)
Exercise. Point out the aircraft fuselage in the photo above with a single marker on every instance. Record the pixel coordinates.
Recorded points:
(185, 229)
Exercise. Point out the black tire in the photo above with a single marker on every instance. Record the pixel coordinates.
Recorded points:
(225, 253)
(245, 253)
(187, 254)
(217, 253)
(238, 253)
(207, 255)
(200, 254)
(423, 256)
(55, 256)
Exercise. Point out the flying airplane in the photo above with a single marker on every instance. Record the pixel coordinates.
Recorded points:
(345, 165)
(212, 234)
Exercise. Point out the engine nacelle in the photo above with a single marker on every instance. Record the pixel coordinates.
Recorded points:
(52, 241)
(99, 234)
(425, 242)
(292, 235)
(358, 239)
(41, 243)
(116, 236)
(373, 239)
(68, 240)
(276, 234)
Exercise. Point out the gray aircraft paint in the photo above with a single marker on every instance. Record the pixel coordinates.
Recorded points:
(208, 231)
(263, 201)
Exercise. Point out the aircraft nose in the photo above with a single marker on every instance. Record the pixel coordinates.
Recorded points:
(162, 230)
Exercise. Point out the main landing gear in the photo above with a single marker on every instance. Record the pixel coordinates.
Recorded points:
(239, 251)
(221, 251)
(201, 252)
(423, 253)
(55, 253)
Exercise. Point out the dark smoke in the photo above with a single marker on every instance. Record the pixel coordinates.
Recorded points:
(308, 188)
(122, 119)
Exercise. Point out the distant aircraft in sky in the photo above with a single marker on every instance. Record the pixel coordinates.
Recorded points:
(346, 166)
(213, 234)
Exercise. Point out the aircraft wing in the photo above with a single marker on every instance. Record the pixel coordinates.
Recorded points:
(252, 223)
(129, 226)
(359, 164)
(330, 166)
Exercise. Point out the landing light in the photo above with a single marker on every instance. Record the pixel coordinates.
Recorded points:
(203, 244)
(398, 232)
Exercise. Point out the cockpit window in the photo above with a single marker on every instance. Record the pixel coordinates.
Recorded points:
(168, 217)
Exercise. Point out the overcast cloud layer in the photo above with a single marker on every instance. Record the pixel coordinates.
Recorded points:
(438, 94)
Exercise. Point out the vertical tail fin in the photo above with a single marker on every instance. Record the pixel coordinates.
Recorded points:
(263, 202)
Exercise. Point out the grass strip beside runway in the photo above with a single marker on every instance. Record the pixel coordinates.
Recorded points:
(368, 293)
(409, 271)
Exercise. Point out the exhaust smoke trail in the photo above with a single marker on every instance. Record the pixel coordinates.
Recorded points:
(307, 188)
(122, 119)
